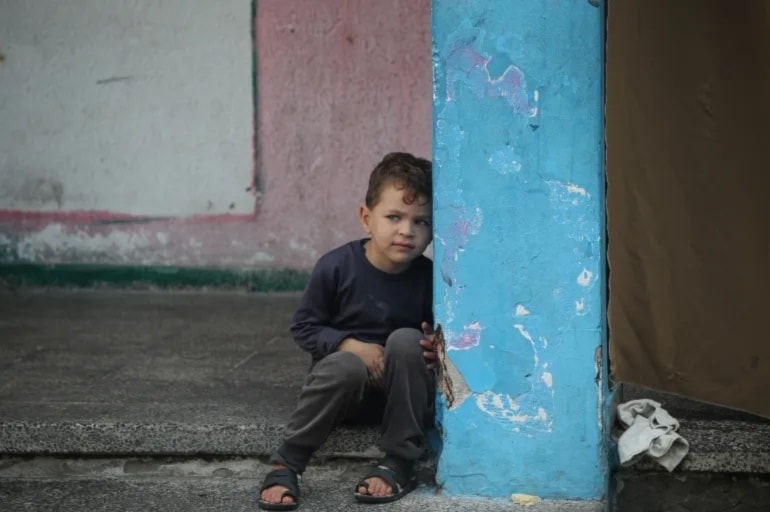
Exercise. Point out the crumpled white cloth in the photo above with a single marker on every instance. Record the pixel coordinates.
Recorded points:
(651, 431)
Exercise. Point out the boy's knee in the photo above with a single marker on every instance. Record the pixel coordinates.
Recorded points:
(344, 367)
(404, 342)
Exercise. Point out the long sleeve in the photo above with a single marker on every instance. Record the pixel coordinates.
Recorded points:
(310, 324)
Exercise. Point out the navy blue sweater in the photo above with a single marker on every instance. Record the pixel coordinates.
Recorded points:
(348, 297)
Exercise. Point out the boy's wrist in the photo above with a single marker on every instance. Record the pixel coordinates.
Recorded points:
(347, 345)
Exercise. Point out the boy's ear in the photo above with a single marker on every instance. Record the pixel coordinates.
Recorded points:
(365, 215)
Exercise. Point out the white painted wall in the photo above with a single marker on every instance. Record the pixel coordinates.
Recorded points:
(142, 107)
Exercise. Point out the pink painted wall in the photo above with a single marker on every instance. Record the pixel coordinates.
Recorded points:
(340, 83)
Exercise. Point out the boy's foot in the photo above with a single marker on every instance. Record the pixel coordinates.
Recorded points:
(280, 490)
(389, 481)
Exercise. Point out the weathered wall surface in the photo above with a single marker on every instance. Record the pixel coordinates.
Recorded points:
(340, 84)
(128, 129)
(122, 107)
(519, 246)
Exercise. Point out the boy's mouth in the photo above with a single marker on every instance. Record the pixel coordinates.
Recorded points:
(401, 245)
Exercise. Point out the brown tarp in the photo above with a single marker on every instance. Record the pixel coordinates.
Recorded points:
(688, 198)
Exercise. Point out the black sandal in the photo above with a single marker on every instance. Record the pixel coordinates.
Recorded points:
(397, 473)
(285, 478)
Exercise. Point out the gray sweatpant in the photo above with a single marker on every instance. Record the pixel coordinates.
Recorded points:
(337, 389)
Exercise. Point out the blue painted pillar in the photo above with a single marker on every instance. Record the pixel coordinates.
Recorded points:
(519, 246)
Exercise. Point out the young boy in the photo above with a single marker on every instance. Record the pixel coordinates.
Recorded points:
(366, 319)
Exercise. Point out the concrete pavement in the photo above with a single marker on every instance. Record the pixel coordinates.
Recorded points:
(106, 372)
(196, 484)
(148, 400)
(142, 485)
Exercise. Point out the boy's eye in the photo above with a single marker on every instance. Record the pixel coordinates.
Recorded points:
(423, 222)
(393, 217)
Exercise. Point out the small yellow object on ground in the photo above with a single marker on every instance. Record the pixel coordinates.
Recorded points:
(526, 500)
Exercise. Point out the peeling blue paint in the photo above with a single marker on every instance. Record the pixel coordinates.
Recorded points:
(518, 162)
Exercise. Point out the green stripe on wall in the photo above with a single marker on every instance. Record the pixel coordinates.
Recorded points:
(85, 276)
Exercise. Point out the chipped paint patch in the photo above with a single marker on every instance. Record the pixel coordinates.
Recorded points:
(505, 161)
(547, 379)
(521, 310)
(460, 231)
(585, 277)
(469, 337)
(451, 383)
(504, 407)
(528, 337)
(459, 388)
(54, 241)
(260, 257)
(465, 226)
(566, 194)
(465, 65)
(599, 385)
(295, 245)
(302, 247)
(574, 189)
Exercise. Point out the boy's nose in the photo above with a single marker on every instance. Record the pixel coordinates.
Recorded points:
(407, 229)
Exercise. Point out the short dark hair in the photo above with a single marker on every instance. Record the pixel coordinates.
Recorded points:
(404, 171)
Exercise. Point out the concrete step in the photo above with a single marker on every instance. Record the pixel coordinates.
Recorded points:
(696, 492)
(683, 407)
(258, 438)
(168, 373)
(142, 485)
(726, 446)
(721, 440)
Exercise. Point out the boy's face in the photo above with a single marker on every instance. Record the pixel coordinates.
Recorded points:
(399, 232)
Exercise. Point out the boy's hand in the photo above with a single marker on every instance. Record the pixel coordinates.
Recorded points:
(373, 356)
(429, 344)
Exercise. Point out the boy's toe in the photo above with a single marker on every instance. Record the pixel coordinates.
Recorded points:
(383, 484)
(377, 487)
(276, 495)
